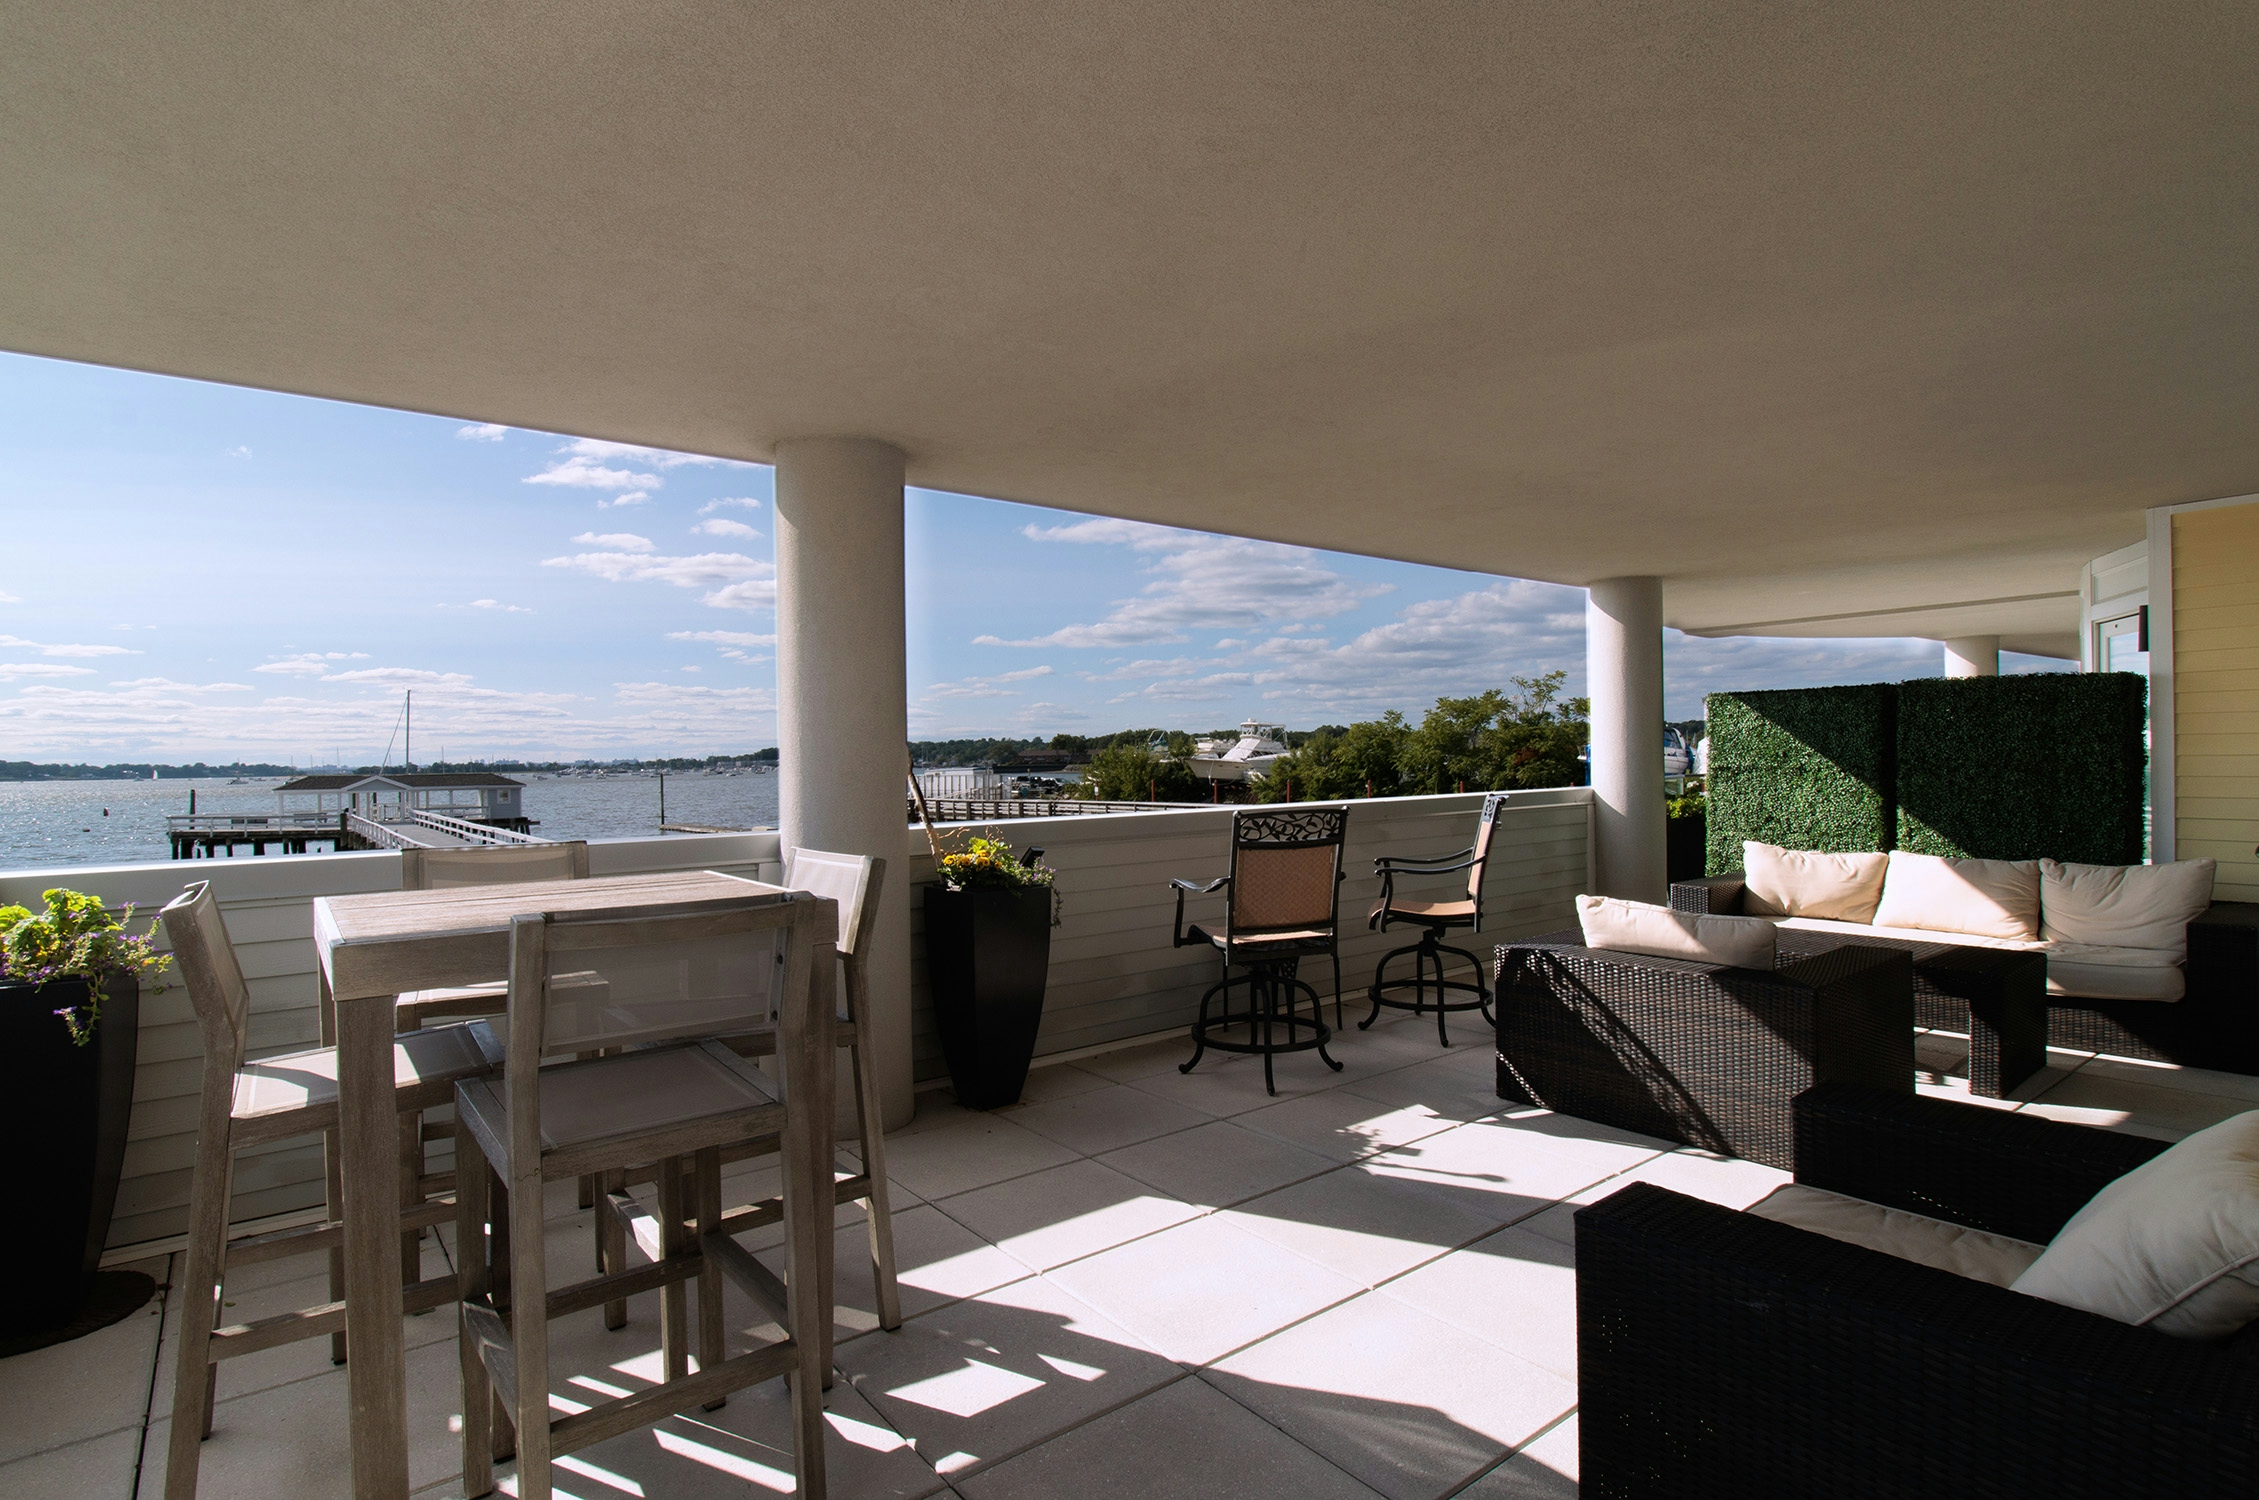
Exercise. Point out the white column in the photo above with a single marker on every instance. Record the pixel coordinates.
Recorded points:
(1623, 649)
(842, 718)
(1972, 656)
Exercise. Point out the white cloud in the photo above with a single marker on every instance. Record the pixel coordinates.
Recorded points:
(983, 687)
(737, 581)
(8, 598)
(1201, 582)
(721, 527)
(741, 502)
(401, 677)
(309, 663)
(617, 541)
(588, 464)
(491, 604)
(183, 687)
(17, 642)
(617, 502)
(239, 451)
(722, 637)
(581, 472)
(483, 432)
(10, 671)
(657, 458)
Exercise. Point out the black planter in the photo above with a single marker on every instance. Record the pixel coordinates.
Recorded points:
(63, 1112)
(988, 955)
(1683, 850)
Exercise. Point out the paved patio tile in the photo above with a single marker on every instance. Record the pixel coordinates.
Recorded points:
(1545, 1470)
(1446, 1085)
(987, 1378)
(1065, 1213)
(2120, 1102)
(1145, 1060)
(1511, 1168)
(1059, 1081)
(1364, 1225)
(1515, 1290)
(1106, 1119)
(1187, 1442)
(67, 1393)
(2240, 1086)
(936, 1261)
(1202, 1289)
(968, 1153)
(1409, 1404)
(1727, 1181)
(1342, 1125)
(1215, 1165)
(1226, 1084)
(99, 1468)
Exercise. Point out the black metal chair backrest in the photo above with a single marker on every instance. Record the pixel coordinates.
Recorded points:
(1492, 806)
(1285, 873)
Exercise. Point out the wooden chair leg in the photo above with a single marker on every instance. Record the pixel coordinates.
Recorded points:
(501, 1270)
(611, 1244)
(472, 1281)
(674, 1324)
(529, 1331)
(411, 1194)
(870, 1135)
(707, 1176)
(199, 1307)
(807, 1173)
(333, 1204)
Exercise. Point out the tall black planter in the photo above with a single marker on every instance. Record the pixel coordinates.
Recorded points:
(1683, 845)
(988, 954)
(64, 1111)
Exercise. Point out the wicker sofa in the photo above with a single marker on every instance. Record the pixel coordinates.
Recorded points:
(1695, 1052)
(2214, 1025)
(1724, 1354)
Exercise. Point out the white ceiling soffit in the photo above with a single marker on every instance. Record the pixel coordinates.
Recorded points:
(1776, 301)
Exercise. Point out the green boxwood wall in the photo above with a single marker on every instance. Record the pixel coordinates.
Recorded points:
(2050, 764)
(1810, 768)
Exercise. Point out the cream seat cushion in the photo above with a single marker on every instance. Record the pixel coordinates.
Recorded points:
(1642, 927)
(2172, 1245)
(2125, 906)
(1779, 882)
(1979, 897)
(1893, 1231)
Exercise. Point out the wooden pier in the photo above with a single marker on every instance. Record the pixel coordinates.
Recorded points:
(219, 835)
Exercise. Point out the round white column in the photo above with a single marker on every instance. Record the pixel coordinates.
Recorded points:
(842, 691)
(1972, 656)
(1623, 646)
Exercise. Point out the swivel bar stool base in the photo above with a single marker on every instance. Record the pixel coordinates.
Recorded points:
(1427, 954)
(1266, 982)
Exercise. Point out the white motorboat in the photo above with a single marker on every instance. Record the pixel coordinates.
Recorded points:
(1256, 749)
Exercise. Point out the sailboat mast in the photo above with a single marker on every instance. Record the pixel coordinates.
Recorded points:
(408, 732)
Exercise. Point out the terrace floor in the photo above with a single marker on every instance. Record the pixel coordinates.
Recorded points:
(1135, 1282)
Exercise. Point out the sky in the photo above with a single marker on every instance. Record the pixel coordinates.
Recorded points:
(192, 571)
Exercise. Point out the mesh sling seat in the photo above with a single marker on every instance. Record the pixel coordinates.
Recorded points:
(651, 991)
(1282, 904)
(1434, 919)
(245, 1105)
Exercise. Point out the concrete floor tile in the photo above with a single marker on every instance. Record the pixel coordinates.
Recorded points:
(1510, 1169)
(1047, 1082)
(1187, 1441)
(1515, 1290)
(2169, 1076)
(1364, 1225)
(969, 1153)
(1447, 1086)
(1343, 1126)
(67, 1393)
(1545, 1470)
(1202, 1289)
(1065, 1213)
(100, 1468)
(936, 1259)
(1727, 1181)
(1226, 1084)
(1215, 1165)
(1145, 1060)
(996, 1375)
(1106, 1119)
(1409, 1404)
(2122, 1103)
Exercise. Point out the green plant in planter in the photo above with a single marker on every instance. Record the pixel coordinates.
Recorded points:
(988, 865)
(77, 937)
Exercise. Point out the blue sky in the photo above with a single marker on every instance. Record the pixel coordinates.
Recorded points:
(194, 571)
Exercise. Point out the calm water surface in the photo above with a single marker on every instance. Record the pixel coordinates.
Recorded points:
(56, 824)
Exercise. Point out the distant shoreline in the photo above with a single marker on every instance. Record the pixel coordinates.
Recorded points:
(24, 770)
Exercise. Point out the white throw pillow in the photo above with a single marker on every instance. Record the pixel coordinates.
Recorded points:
(1640, 927)
(1781, 882)
(2124, 906)
(1988, 897)
(2173, 1244)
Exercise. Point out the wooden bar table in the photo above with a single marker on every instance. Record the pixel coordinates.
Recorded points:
(375, 947)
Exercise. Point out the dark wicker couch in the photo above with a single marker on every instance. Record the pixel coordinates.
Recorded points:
(1721, 1354)
(2216, 1025)
(1699, 1053)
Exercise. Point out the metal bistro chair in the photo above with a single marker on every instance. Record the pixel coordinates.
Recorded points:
(1284, 904)
(1434, 918)
(652, 991)
(854, 881)
(252, 1104)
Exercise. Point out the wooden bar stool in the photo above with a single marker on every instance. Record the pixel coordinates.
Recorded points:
(854, 882)
(251, 1104)
(660, 987)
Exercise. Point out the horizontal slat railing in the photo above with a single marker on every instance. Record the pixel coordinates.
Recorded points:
(268, 905)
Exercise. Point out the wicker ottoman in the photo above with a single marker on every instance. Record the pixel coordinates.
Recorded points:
(1699, 1053)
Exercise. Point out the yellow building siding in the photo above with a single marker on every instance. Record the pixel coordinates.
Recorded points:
(2216, 693)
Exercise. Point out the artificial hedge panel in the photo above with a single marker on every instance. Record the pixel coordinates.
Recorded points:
(1809, 768)
(2046, 765)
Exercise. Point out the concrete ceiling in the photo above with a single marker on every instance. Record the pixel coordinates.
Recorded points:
(1817, 310)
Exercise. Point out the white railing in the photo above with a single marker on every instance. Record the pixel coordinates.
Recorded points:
(383, 835)
(1113, 972)
(477, 833)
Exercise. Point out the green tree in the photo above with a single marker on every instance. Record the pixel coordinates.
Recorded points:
(1133, 773)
